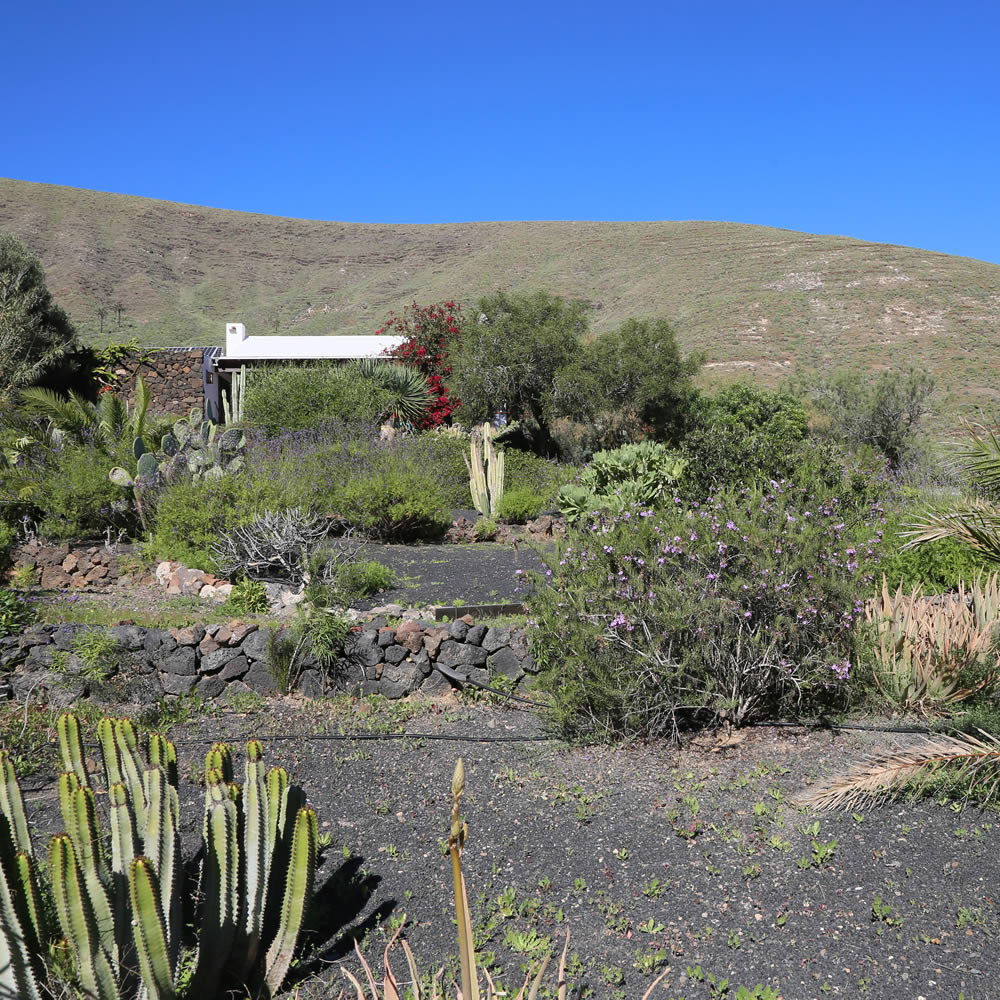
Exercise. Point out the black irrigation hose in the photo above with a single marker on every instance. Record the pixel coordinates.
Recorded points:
(834, 726)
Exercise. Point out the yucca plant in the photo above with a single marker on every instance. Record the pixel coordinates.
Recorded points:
(926, 647)
(408, 389)
(470, 988)
(119, 914)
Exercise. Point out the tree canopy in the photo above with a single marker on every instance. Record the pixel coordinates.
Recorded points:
(512, 347)
(34, 331)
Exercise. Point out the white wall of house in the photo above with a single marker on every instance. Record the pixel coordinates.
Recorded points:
(240, 345)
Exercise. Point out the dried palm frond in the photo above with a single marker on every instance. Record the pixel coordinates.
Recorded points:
(885, 774)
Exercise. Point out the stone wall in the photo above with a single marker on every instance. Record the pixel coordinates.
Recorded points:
(174, 378)
(65, 567)
(216, 662)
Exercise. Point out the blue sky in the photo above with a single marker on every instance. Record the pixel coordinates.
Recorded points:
(878, 121)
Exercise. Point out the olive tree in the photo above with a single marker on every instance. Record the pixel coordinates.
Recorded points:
(512, 347)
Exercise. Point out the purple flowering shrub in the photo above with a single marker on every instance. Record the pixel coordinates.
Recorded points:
(737, 608)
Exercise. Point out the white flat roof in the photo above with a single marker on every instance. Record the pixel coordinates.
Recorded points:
(239, 345)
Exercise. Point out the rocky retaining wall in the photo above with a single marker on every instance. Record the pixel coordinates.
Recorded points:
(217, 662)
(61, 567)
(174, 378)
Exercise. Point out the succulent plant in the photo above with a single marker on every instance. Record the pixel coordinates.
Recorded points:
(192, 451)
(485, 471)
(121, 915)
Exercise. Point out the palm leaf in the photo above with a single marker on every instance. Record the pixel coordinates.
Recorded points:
(411, 395)
(139, 410)
(113, 412)
(981, 457)
(72, 414)
(976, 523)
(883, 775)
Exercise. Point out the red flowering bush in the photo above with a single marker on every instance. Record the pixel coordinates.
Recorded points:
(429, 330)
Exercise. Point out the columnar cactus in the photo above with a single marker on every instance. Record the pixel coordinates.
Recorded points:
(485, 471)
(121, 917)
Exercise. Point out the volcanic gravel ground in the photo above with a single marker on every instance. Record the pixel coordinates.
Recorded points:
(651, 857)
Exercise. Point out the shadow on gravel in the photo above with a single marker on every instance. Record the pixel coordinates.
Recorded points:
(334, 924)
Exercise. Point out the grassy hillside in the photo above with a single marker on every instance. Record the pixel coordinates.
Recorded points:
(758, 301)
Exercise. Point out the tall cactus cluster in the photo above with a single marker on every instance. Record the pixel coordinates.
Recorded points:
(118, 927)
(485, 471)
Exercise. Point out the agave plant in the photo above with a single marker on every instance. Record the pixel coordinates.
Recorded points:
(924, 647)
(118, 928)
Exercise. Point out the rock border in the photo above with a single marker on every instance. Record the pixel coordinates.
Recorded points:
(218, 662)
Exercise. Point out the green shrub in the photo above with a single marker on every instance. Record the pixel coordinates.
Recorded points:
(75, 497)
(99, 652)
(324, 633)
(629, 476)
(191, 516)
(741, 437)
(15, 613)
(485, 529)
(935, 566)
(362, 579)
(741, 607)
(394, 506)
(520, 505)
(248, 597)
(8, 541)
(523, 470)
(295, 397)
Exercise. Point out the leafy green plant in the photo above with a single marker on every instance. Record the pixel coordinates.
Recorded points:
(8, 540)
(16, 613)
(73, 495)
(520, 505)
(284, 398)
(363, 579)
(936, 566)
(99, 652)
(248, 597)
(110, 925)
(485, 529)
(190, 517)
(394, 506)
(629, 476)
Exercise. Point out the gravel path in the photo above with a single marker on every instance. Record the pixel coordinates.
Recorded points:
(651, 857)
